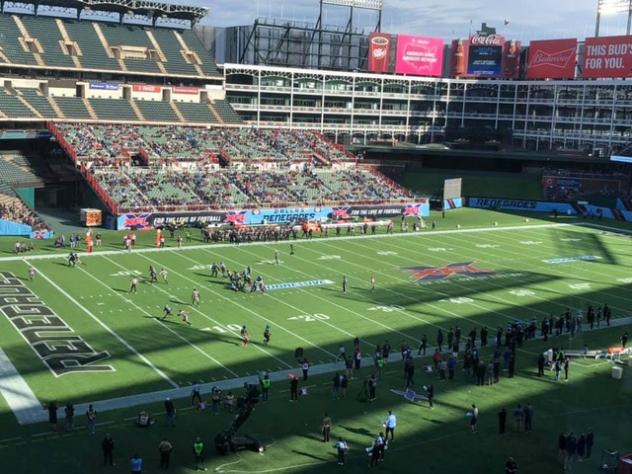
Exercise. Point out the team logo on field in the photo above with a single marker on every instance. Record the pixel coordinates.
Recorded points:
(136, 221)
(235, 217)
(440, 273)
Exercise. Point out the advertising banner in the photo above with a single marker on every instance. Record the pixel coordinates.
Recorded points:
(420, 209)
(185, 90)
(608, 56)
(380, 52)
(552, 59)
(511, 60)
(145, 221)
(485, 55)
(148, 220)
(104, 86)
(419, 56)
(146, 88)
(521, 205)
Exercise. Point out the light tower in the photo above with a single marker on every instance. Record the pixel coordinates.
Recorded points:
(613, 7)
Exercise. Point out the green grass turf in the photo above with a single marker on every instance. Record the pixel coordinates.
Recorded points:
(398, 310)
(477, 184)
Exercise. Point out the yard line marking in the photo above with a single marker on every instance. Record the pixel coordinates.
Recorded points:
(106, 327)
(328, 301)
(296, 242)
(17, 393)
(179, 336)
(402, 310)
(144, 399)
(234, 302)
(295, 308)
(585, 270)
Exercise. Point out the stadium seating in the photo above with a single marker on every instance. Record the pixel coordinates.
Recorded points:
(196, 112)
(92, 39)
(93, 55)
(156, 110)
(35, 98)
(12, 107)
(194, 43)
(223, 108)
(16, 171)
(49, 37)
(73, 107)
(11, 46)
(113, 109)
(176, 64)
(165, 182)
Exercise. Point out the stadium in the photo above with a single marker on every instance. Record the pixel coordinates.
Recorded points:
(292, 246)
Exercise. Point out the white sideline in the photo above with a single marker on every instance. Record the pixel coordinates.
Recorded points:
(297, 241)
(237, 383)
(18, 395)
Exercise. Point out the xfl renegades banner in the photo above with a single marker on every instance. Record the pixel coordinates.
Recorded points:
(145, 221)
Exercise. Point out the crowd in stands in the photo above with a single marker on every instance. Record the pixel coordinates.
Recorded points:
(16, 211)
(112, 145)
(167, 168)
(140, 187)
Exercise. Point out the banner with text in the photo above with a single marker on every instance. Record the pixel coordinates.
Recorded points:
(521, 205)
(552, 59)
(419, 55)
(608, 56)
(104, 86)
(146, 88)
(148, 220)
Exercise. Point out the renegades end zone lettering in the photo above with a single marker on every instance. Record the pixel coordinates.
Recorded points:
(54, 342)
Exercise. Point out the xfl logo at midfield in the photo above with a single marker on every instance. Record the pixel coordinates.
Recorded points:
(448, 271)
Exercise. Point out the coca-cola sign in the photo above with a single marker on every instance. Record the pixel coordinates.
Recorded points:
(486, 40)
(552, 59)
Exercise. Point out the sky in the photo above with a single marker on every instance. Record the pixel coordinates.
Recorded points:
(449, 19)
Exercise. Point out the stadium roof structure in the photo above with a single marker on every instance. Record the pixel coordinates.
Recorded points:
(149, 9)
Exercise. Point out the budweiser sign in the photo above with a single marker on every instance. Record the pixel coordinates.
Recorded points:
(486, 40)
(559, 59)
(552, 59)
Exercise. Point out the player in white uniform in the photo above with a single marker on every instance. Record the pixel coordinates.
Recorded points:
(32, 273)
(134, 285)
(195, 297)
(164, 275)
(182, 314)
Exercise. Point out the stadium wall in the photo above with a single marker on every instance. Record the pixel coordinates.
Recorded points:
(10, 228)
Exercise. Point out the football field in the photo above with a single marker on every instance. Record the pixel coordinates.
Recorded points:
(96, 342)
